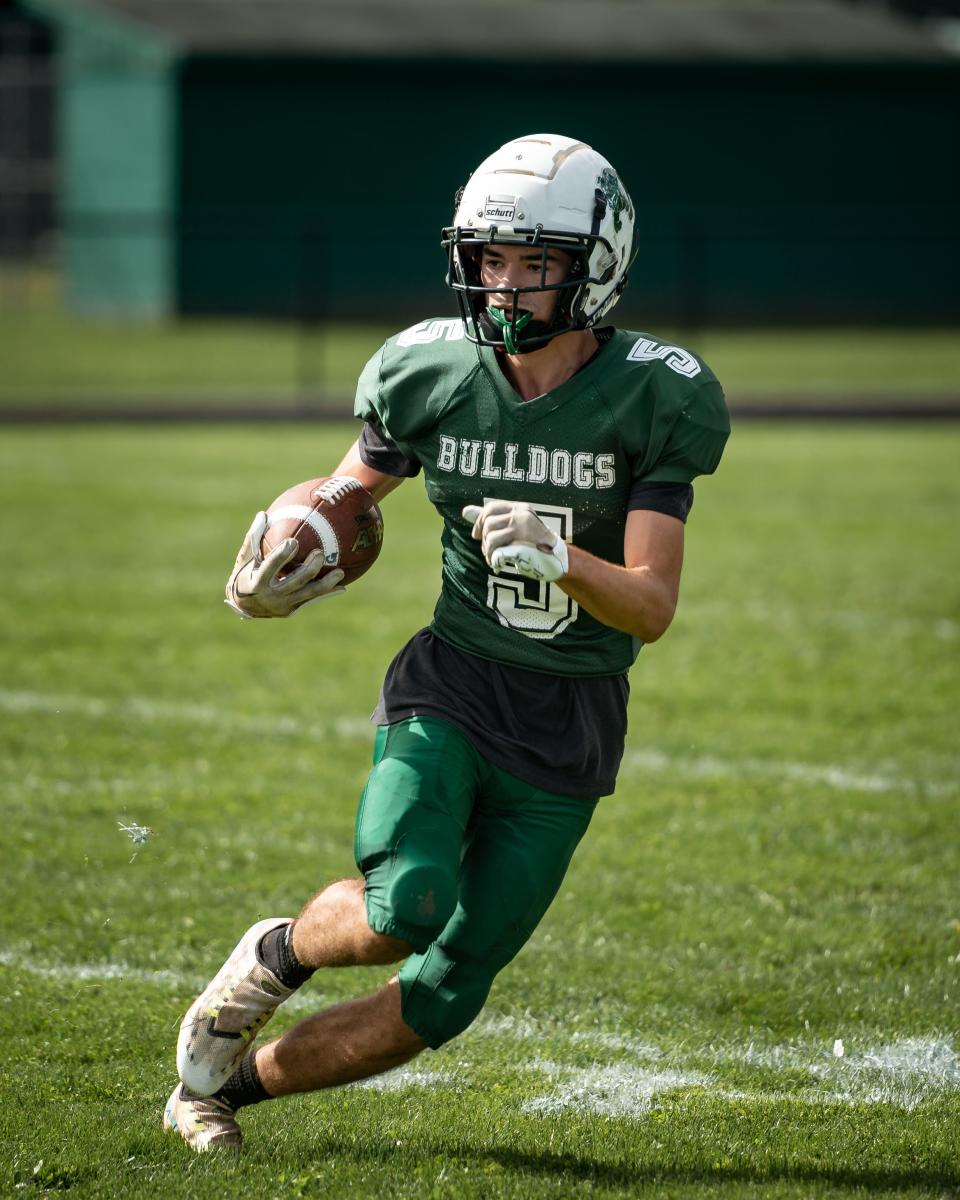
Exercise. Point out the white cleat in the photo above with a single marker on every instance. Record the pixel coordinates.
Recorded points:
(202, 1122)
(226, 1017)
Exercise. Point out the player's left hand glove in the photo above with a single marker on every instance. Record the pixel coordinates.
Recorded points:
(255, 588)
(516, 541)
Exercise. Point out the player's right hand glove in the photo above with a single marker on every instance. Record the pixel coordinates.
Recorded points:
(253, 589)
(515, 540)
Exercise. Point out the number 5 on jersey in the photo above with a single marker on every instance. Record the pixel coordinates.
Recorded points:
(537, 610)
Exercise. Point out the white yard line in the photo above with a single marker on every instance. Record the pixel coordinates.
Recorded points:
(121, 972)
(148, 711)
(831, 775)
(621, 1090)
(904, 1072)
(104, 972)
(639, 761)
(401, 1078)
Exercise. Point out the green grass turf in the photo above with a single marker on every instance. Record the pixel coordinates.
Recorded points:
(776, 871)
(48, 356)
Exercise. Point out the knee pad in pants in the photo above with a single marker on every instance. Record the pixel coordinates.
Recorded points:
(410, 898)
(442, 992)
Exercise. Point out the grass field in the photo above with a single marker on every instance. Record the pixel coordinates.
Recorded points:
(774, 880)
(49, 357)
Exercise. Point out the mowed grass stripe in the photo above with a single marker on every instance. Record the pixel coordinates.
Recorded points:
(637, 761)
(143, 708)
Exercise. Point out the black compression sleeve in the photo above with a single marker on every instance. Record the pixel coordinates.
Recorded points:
(673, 499)
(379, 452)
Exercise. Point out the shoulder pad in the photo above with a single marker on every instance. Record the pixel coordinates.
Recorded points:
(407, 385)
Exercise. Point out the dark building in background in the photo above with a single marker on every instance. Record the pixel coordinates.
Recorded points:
(927, 8)
(790, 162)
(27, 165)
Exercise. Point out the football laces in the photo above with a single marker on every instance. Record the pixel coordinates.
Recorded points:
(336, 487)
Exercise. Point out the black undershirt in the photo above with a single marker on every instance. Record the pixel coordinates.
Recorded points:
(561, 733)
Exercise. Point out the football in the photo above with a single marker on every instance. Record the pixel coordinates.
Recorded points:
(336, 515)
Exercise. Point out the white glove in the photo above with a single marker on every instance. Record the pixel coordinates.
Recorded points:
(253, 589)
(516, 541)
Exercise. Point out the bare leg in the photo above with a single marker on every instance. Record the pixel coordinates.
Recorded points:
(332, 931)
(349, 1041)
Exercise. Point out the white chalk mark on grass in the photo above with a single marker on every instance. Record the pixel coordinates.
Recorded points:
(830, 775)
(933, 1059)
(402, 1078)
(616, 1041)
(519, 1029)
(777, 1058)
(120, 972)
(903, 1073)
(105, 972)
(148, 711)
(91, 785)
(357, 728)
(621, 1090)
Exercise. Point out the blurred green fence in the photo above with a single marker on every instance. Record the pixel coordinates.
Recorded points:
(53, 361)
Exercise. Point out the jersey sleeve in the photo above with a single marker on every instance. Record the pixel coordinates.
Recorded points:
(404, 388)
(379, 403)
(695, 442)
(368, 403)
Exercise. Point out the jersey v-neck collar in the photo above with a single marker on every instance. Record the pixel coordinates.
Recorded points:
(547, 401)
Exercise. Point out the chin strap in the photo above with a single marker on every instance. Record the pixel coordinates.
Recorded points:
(509, 328)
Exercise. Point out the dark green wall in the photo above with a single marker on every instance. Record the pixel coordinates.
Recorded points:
(764, 192)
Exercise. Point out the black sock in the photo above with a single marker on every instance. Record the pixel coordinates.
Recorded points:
(244, 1086)
(275, 951)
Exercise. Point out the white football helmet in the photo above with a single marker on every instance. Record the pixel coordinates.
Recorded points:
(551, 192)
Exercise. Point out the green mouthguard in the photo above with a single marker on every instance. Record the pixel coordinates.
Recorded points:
(510, 329)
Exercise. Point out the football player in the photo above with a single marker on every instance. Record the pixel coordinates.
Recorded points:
(559, 452)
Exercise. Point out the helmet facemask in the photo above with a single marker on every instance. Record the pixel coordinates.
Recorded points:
(512, 327)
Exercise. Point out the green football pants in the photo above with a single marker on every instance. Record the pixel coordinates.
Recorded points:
(461, 860)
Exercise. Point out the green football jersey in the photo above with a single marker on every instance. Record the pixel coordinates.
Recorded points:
(640, 410)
